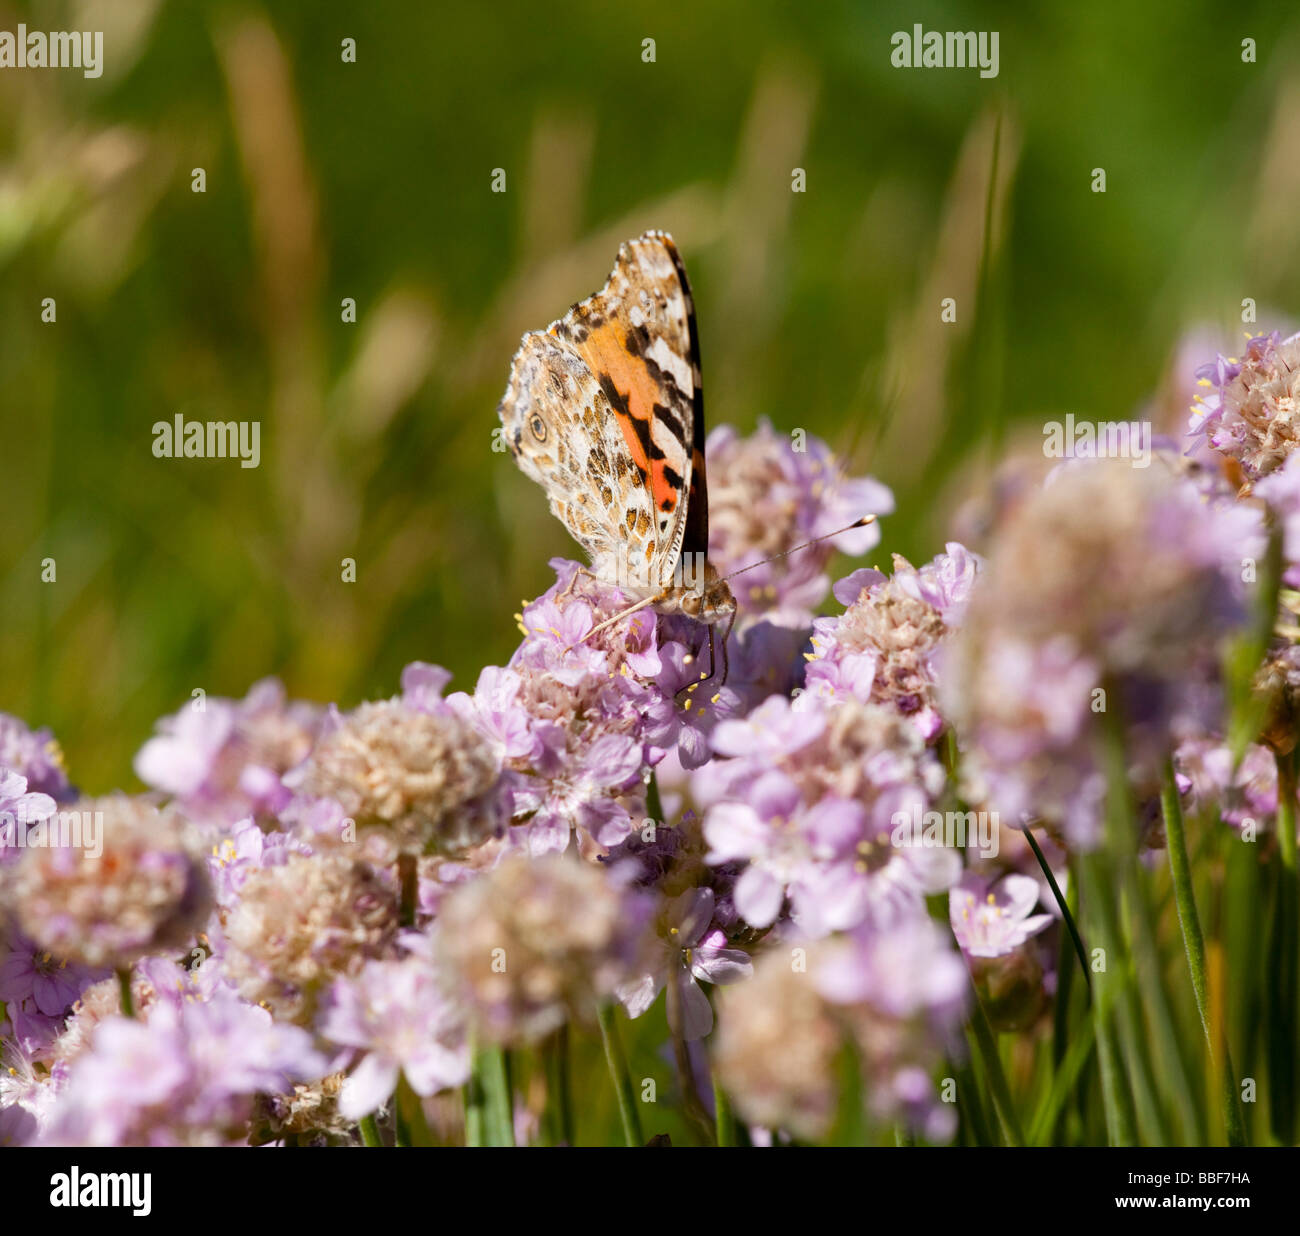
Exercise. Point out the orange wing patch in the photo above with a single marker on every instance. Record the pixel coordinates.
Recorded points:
(633, 392)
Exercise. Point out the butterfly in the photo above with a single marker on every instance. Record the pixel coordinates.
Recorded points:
(605, 410)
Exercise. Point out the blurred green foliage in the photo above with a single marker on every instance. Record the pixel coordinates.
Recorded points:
(371, 180)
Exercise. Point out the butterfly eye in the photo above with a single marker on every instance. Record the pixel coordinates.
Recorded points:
(538, 426)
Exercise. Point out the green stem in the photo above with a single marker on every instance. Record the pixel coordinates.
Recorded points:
(1283, 963)
(1117, 1101)
(559, 1089)
(1065, 1075)
(410, 1112)
(370, 1131)
(1112, 869)
(693, 1106)
(1064, 905)
(124, 986)
(500, 1117)
(489, 1116)
(621, 1077)
(974, 1124)
(724, 1121)
(1001, 1092)
(1194, 945)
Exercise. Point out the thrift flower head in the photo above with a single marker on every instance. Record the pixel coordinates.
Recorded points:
(423, 778)
(770, 493)
(222, 759)
(184, 1076)
(148, 890)
(1246, 798)
(536, 941)
(1250, 412)
(884, 647)
(690, 950)
(20, 807)
(299, 926)
(579, 718)
(396, 1014)
(809, 800)
(995, 926)
(153, 979)
(34, 755)
(34, 979)
(900, 990)
(1281, 490)
(1111, 578)
(775, 1048)
(993, 919)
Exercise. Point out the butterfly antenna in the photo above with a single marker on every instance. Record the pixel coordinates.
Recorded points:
(794, 549)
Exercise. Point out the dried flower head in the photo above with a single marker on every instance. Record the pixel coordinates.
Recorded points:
(299, 926)
(424, 779)
(308, 1115)
(536, 941)
(146, 891)
(775, 1048)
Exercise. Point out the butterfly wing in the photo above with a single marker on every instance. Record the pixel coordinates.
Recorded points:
(605, 411)
(638, 337)
(564, 435)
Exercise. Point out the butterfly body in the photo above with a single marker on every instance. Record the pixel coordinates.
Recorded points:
(604, 410)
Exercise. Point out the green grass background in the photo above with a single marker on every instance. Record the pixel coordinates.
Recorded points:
(327, 180)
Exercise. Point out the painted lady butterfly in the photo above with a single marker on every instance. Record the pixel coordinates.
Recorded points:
(605, 411)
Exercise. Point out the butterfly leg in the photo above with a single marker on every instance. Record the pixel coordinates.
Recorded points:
(691, 687)
(726, 656)
(573, 579)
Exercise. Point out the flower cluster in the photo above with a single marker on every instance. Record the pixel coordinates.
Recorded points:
(771, 492)
(537, 942)
(224, 759)
(886, 646)
(809, 795)
(320, 924)
(1251, 414)
(145, 892)
(1108, 595)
